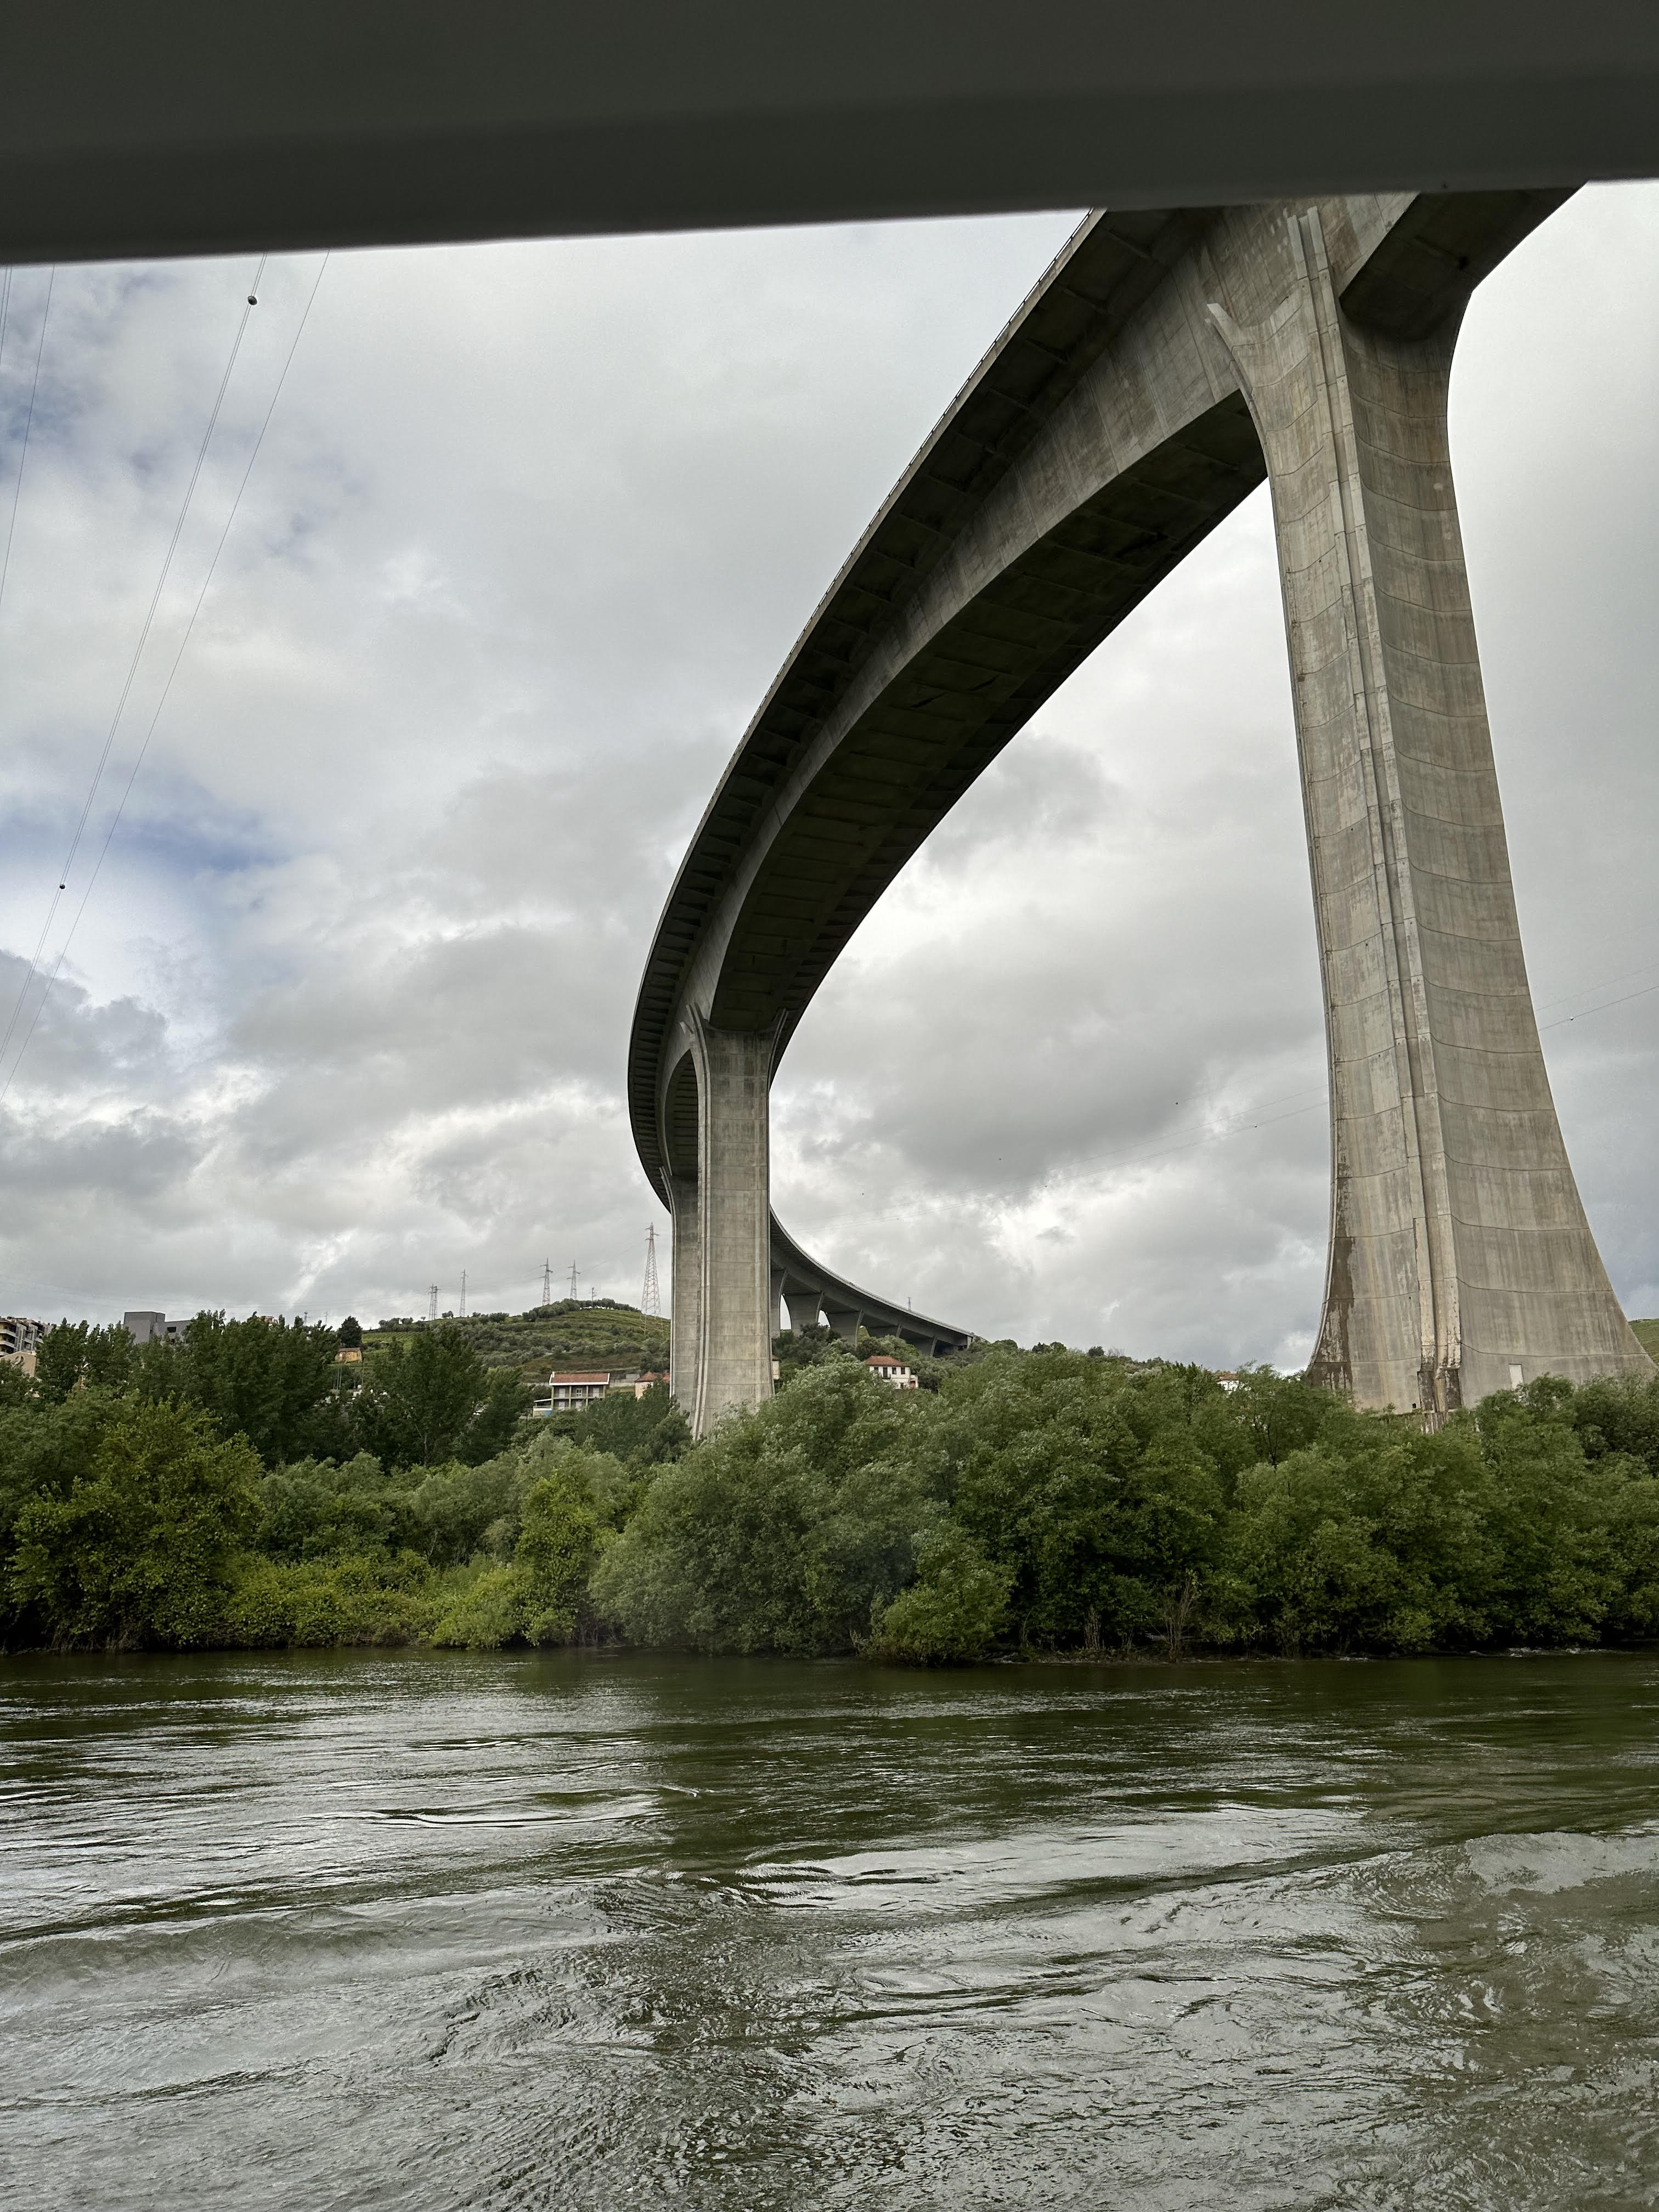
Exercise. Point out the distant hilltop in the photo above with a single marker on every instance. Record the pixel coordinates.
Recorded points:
(580, 1333)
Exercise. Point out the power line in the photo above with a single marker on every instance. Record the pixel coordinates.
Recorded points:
(1643, 968)
(166, 688)
(1623, 1002)
(137, 655)
(28, 420)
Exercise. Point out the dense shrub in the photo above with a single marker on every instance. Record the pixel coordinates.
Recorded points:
(954, 1609)
(1046, 1500)
(787, 1531)
(353, 1599)
(141, 1550)
(540, 1598)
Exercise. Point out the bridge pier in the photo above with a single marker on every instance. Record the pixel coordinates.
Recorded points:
(726, 1306)
(1461, 1260)
(686, 1320)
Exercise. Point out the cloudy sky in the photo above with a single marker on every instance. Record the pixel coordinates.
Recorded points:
(346, 1010)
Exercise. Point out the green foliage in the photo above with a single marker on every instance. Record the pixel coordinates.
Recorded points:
(1031, 1501)
(1091, 1485)
(786, 1530)
(350, 1333)
(74, 1352)
(429, 1397)
(1580, 1539)
(797, 1350)
(558, 1539)
(487, 1611)
(569, 1333)
(1390, 1549)
(45, 1447)
(269, 1381)
(954, 1609)
(313, 1509)
(352, 1600)
(538, 1599)
(140, 1551)
(1615, 1414)
(644, 1431)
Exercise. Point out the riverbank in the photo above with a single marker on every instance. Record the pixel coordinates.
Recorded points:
(1045, 1501)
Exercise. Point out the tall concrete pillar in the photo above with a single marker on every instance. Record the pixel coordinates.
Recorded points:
(685, 1321)
(1459, 1257)
(803, 1308)
(734, 1223)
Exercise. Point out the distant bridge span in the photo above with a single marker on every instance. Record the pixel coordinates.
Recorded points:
(1166, 364)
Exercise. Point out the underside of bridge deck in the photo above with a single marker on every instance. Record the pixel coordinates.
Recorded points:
(1167, 362)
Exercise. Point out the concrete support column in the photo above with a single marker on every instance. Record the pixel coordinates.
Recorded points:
(803, 1309)
(734, 1075)
(685, 1321)
(1459, 1252)
(844, 1321)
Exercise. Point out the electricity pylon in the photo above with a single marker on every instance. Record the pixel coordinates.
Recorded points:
(651, 1297)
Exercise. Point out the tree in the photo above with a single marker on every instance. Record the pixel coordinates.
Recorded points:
(351, 1333)
(74, 1352)
(430, 1398)
(59, 1359)
(141, 1553)
(645, 1431)
(953, 1609)
(798, 1350)
(110, 1357)
(506, 1402)
(267, 1380)
(558, 1538)
(45, 1448)
(784, 1531)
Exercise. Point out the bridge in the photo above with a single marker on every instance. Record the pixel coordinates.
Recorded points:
(1167, 363)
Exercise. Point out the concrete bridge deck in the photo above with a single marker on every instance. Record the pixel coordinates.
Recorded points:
(1167, 362)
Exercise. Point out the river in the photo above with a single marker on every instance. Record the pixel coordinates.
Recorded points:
(364, 1930)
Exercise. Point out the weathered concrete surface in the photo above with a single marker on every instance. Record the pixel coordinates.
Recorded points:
(734, 1214)
(733, 1262)
(685, 1322)
(1459, 1255)
(1165, 363)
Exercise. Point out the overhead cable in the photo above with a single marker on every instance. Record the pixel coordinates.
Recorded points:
(132, 668)
(178, 655)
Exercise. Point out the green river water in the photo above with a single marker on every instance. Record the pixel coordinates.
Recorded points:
(369, 1929)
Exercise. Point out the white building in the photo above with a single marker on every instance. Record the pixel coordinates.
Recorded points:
(570, 1393)
(886, 1368)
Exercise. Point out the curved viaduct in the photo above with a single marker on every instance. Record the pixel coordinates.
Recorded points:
(1166, 364)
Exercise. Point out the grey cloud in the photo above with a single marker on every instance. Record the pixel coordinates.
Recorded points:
(533, 529)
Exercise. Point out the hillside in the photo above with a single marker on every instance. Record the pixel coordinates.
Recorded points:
(571, 1332)
(1647, 1335)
